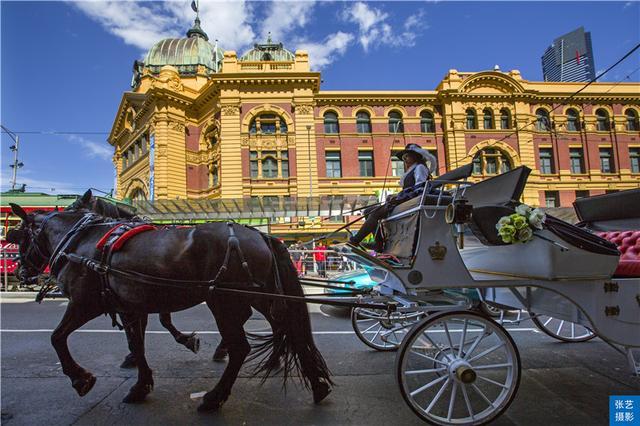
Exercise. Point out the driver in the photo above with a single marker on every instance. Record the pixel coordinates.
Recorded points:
(418, 165)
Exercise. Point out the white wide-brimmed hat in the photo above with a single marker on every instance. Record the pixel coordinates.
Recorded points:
(412, 147)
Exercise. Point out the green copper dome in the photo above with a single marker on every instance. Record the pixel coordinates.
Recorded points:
(268, 52)
(185, 53)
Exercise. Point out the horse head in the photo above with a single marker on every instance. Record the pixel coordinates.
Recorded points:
(33, 255)
(100, 206)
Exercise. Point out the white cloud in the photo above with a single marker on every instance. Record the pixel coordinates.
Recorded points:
(93, 149)
(375, 30)
(284, 17)
(324, 53)
(627, 4)
(142, 24)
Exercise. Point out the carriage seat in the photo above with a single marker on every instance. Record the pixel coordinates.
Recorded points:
(483, 223)
(628, 243)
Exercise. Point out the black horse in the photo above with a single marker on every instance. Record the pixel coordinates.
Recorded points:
(109, 210)
(192, 260)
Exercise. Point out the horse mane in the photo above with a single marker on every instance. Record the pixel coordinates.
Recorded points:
(102, 207)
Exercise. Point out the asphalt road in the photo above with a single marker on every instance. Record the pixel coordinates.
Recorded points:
(562, 383)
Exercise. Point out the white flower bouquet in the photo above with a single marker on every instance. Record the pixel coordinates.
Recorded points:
(519, 227)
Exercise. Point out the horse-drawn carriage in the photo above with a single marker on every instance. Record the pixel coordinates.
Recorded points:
(454, 365)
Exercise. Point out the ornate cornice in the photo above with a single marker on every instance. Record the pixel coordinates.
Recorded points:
(230, 110)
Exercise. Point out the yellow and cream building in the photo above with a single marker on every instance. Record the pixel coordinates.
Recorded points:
(203, 123)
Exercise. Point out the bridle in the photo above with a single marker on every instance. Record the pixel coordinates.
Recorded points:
(39, 251)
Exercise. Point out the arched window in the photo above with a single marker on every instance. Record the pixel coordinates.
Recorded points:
(395, 122)
(138, 195)
(363, 122)
(505, 118)
(573, 120)
(602, 120)
(269, 166)
(632, 120)
(427, 124)
(542, 120)
(268, 124)
(472, 122)
(487, 118)
(331, 122)
(491, 161)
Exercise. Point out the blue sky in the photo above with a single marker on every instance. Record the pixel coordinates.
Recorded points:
(65, 65)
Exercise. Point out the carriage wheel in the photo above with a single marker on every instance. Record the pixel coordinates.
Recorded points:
(458, 368)
(380, 331)
(562, 330)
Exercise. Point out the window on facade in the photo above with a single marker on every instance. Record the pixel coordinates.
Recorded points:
(634, 159)
(573, 121)
(138, 195)
(331, 123)
(427, 124)
(551, 199)
(214, 177)
(487, 121)
(125, 160)
(269, 164)
(632, 120)
(582, 194)
(547, 166)
(395, 122)
(363, 122)
(542, 120)
(576, 160)
(472, 122)
(397, 165)
(602, 120)
(505, 119)
(490, 161)
(268, 124)
(334, 168)
(365, 158)
(606, 160)
(253, 162)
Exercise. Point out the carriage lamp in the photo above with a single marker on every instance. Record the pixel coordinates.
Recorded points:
(458, 213)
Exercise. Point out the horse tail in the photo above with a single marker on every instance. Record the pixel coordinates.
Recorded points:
(291, 348)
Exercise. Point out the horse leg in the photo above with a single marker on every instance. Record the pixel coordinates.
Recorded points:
(230, 314)
(135, 325)
(190, 341)
(74, 318)
(221, 352)
(130, 359)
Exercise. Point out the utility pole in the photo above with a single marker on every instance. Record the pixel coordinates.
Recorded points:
(16, 164)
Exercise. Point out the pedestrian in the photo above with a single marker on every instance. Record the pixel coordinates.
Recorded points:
(320, 257)
(298, 257)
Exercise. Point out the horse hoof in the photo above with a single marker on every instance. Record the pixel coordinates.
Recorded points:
(193, 343)
(207, 407)
(320, 392)
(137, 394)
(220, 355)
(129, 362)
(84, 384)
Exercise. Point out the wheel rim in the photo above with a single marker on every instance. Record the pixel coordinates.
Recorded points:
(458, 368)
(381, 331)
(563, 330)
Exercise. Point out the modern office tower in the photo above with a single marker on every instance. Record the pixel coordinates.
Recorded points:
(569, 58)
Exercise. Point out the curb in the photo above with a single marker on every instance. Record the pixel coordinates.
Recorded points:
(18, 295)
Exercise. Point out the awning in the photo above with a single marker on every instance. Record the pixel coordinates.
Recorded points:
(270, 207)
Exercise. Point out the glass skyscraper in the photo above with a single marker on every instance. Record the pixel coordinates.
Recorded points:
(569, 58)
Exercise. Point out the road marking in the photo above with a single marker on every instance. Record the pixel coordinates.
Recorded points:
(319, 333)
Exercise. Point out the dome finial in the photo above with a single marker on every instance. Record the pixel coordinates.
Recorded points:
(196, 30)
(269, 38)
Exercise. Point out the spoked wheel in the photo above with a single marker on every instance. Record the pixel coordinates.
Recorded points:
(380, 331)
(561, 329)
(458, 368)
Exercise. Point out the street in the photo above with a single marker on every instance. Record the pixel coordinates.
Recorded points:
(561, 383)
